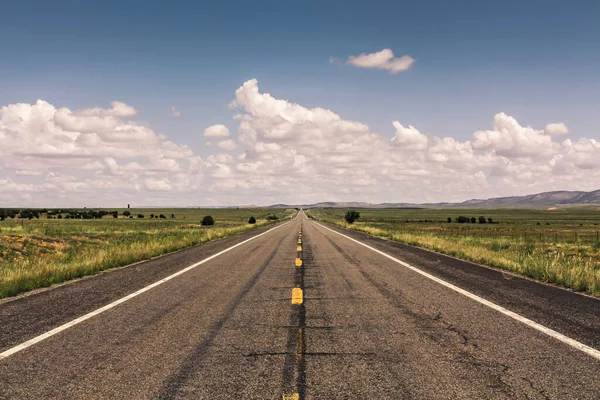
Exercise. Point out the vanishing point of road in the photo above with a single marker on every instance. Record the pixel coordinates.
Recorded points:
(301, 310)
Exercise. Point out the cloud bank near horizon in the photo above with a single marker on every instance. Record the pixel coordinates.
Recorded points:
(281, 152)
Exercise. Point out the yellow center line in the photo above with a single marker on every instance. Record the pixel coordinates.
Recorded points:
(299, 248)
(299, 241)
(296, 296)
(291, 396)
(298, 262)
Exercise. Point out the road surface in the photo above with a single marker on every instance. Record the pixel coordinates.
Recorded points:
(300, 311)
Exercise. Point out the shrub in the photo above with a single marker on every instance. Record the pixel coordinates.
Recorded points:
(252, 220)
(482, 220)
(208, 221)
(490, 221)
(273, 217)
(162, 216)
(351, 216)
(126, 213)
(449, 220)
(461, 219)
(473, 220)
(140, 215)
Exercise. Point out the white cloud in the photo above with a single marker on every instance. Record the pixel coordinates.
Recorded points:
(556, 129)
(507, 137)
(118, 109)
(228, 145)
(285, 152)
(216, 131)
(175, 113)
(383, 59)
(410, 138)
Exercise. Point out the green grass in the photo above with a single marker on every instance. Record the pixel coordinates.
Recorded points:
(43, 252)
(554, 246)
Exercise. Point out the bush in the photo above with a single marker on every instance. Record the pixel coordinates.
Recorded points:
(252, 220)
(482, 220)
(473, 220)
(351, 216)
(162, 216)
(126, 213)
(449, 220)
(461, 219)
(140, 215)
(273, 217)
(490, 221)
(208, 221)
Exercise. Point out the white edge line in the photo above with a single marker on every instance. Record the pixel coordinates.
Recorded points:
(44, 336)
(541, 328)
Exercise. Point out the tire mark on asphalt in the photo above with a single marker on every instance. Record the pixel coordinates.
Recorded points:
(459, 345)
(172, 385)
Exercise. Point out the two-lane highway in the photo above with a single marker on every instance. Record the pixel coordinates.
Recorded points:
(300, 311)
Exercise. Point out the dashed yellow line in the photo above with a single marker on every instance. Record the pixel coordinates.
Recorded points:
(299, 248)
(299, 241)
(297, 296)
(292, 396)
(298, 262)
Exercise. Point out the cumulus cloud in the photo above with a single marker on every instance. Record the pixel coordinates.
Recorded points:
(175, 113)
(227, 145)
(284, 152)
(216, 131)
(80, 152)
(409, 138)
(556, 129)
(507, 137)
(383, 59)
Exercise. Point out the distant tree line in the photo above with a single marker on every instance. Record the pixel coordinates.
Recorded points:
(472, 220)
(31, 213)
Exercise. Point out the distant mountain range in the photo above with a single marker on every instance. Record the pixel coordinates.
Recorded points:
(546, 199)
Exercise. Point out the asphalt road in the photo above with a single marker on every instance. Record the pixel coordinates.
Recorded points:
(349, 323)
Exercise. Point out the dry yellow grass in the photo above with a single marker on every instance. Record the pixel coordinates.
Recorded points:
(574, 266)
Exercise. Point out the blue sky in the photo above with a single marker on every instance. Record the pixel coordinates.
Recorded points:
(536, 61)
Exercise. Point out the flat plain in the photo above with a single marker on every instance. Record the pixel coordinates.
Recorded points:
(556, 245)
(41, 252)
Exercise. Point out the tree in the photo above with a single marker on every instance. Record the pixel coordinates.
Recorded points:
(461, 219)
(151, 216)
(482, 220)
(490, 221)
(172, 215)
(208, 221)
(351, 216)
(126, 213)
(140, 215)
(252, 220)
(449, 220)
(473, 220)
(59, 216)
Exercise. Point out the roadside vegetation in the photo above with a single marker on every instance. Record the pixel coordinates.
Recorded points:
(40, 248)
(558, 246)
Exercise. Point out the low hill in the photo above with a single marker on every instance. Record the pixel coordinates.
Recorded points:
(556, 198)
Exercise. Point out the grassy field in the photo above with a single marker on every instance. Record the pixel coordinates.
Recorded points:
(41, 252)
(559, 246)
